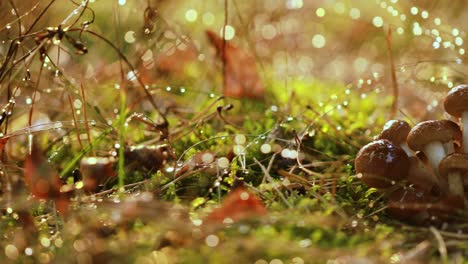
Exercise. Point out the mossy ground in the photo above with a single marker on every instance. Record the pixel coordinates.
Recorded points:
(155, 210)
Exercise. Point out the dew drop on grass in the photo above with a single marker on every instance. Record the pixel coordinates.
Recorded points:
(212, 240)
(28, 251)
(240, 139)
(223, 163)
(207, 158)
(265, 148)
(130, 36)
(276, 261)
(11, 252)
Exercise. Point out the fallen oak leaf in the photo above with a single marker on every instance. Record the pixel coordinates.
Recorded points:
(241, 76)
(239, 204)
(3, 142)
(43, 181)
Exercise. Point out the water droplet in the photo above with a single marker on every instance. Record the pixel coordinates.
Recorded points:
(212, 240)
(240, 139)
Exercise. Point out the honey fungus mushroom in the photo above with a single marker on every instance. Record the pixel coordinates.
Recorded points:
(454, 168)
(396, 131)
(96, 171)
(456, 104)
(381, 163)
(408, 204)
(430, 137)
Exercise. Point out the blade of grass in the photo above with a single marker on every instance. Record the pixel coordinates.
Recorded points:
(121, 132)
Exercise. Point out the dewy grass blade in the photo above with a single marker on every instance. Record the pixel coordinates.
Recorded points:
(121, 132)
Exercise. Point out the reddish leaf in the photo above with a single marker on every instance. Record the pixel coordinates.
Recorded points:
(43, 181)
(242, 80)
(238, 204)
(3, 142)
(176, 62)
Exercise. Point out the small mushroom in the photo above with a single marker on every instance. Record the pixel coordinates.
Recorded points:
(430, 137)
(396, 131)
(149, 157)
(96, 171)
(445, 209)
(381, 163)
(421, 177)
(456, 104)
(454, 168)
(408, 204)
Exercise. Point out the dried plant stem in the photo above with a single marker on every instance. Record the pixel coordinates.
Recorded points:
(31, 110)
(223, 55)
(442, 248)
(268, 177)
(127, 62)
(122, 130)
(394, 107)
(75, 123)
(88, 133)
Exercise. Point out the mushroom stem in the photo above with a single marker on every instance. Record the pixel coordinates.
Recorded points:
(449, 148)
(455, 183)
(408, 151)
(435, 153)
(464, 119)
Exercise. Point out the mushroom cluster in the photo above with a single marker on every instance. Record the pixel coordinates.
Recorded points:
(423, 169)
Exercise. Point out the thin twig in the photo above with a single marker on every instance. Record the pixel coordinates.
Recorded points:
(75, 123)
(36, 90)
(394, 107)
(223, 55)
(267, 175)
(88, 133)
(441, 244)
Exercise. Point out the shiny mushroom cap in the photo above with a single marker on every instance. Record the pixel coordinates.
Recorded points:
(408, 204)
(381, 163)
(429, 131)
(96, 170)
(396, 131)
(456, 101)
(454, 162)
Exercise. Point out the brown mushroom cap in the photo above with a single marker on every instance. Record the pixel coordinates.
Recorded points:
(408, 204)
(381, 163)
(429, 131)
(447, 207)
(96, 170)
(395, 131)
(454, 162)
(457, 133)
(456, 101)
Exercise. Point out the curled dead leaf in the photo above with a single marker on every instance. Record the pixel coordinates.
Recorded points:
(241, 76)
(43, 180)
(239, 204)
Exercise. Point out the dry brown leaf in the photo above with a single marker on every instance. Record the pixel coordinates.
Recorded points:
(238, 204)
(43, 181)
(241, 76)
